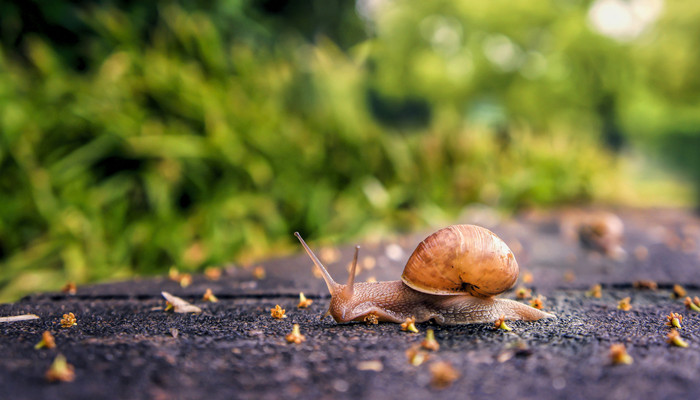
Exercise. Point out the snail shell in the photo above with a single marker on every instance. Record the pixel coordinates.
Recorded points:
(461, 259)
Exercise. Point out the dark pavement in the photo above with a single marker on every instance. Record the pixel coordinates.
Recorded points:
(126, 347)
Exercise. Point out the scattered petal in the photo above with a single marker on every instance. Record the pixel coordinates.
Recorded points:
(443, 374)
(209, 296)
(523, 293)
(371, 318)
(501, 324)
(429, 342)
(185, 280)
(674, 319)
(595, 291)
(259, 272)
(409, 325)
(374, 365)
(68, 320)
(296, 336)
(60, 370)
(212, 273)
(416, 356)
(278, 312)
(618, 354)
(303, 301)
(675, 339)
(624, 304)
(70, 288)
(179, 305)
(692, 304)
(17, 318)
(646, 284)
(537, 302)
(47, 341)
(678, 292)
(174, 274)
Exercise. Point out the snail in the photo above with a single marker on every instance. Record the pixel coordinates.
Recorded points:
(451, 278)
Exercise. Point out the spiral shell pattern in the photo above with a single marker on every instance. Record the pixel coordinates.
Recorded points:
(461, 259)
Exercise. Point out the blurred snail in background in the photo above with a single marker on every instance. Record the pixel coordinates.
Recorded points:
(451, 278)
(603, 232)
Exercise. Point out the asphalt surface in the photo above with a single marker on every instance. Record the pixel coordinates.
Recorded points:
(125, 346)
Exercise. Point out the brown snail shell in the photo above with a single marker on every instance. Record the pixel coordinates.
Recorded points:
(461, 259)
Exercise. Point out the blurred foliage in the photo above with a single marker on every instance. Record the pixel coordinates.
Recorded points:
(136, 136)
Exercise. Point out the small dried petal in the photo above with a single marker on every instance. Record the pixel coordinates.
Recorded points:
(209, 296)
(690, 304)
(429, 342)
(60, 370)
(371, 319)
(537, 302)
(443, 374)
(674, 319)
(372, 365)
(18, 318)
(259, 272)
(624, 304)
(595, 291)
(174, 274)
(618, 354)
(501, 324)
(646, 284)
(295, 336)
(303, 301)
(523, 293)
(675, 339)
(185, 280)
(47, 341)
(70, 288)
(416, 356)
(409, 325)
(212, 273)
(178, 305)
(527, 277)
(678, 292)
(278, 312)
(68, 320)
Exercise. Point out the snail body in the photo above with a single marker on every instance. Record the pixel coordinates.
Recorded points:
(451, 278)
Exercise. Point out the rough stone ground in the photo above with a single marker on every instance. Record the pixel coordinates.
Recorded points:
(125, 346)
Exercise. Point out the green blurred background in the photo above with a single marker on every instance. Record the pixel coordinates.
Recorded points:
(140, 135)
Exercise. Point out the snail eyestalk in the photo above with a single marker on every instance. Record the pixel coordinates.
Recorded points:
(332, 285)
(351, 278)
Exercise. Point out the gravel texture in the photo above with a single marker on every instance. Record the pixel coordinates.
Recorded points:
(125, 346)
